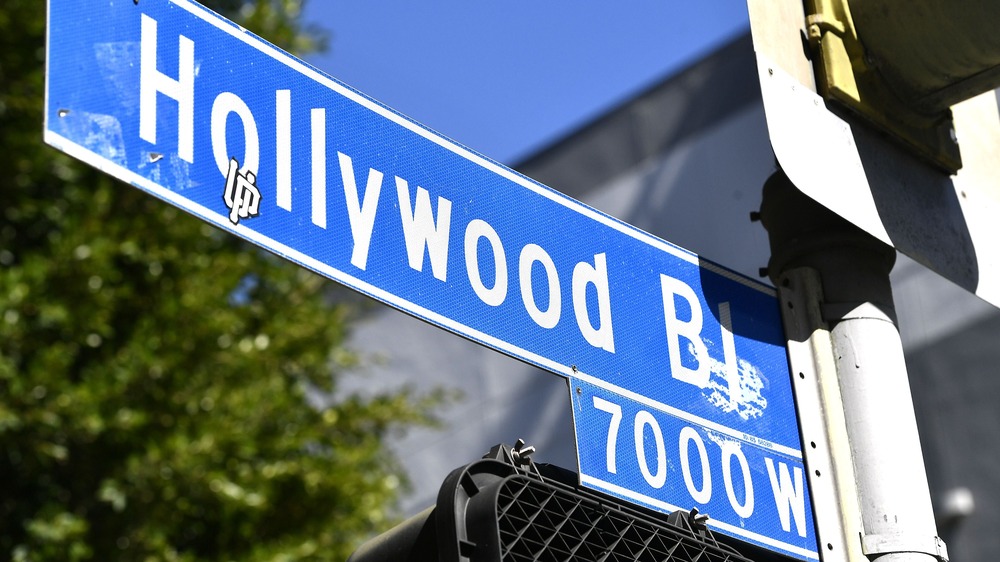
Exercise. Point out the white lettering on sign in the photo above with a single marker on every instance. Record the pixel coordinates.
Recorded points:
(495, 295)
(283, 148)
(732, 450)
(530, 255)
(421, 231)
(655, 462)
(426, 224)
(360, 213)
(701, 495)
(690, 331)
(616, 419)
(181, 89)
(585, 275)
(729, 353)
(317, 144)
(788, 497)
(658, 478)
(225, 104)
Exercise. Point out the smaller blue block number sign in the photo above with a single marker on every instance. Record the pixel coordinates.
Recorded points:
(661, 457)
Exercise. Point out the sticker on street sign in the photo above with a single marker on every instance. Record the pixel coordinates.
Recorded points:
(193, 109)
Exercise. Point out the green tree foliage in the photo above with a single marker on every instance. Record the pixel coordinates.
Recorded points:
(156, 374)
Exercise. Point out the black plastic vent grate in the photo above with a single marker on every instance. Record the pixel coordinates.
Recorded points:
(505, 508)
(541, 523)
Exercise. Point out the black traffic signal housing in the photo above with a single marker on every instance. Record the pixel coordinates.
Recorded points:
(506, 508)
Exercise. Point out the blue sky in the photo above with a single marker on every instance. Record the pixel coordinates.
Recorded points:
(506, 78)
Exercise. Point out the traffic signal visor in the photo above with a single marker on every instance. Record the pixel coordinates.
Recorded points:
(902, 65)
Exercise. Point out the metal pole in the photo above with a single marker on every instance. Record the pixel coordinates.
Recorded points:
(897, 518)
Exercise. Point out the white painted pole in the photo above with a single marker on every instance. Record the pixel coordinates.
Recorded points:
(893, 498)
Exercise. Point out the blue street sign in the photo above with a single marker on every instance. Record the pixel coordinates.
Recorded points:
(195, 110)
(666, 458)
